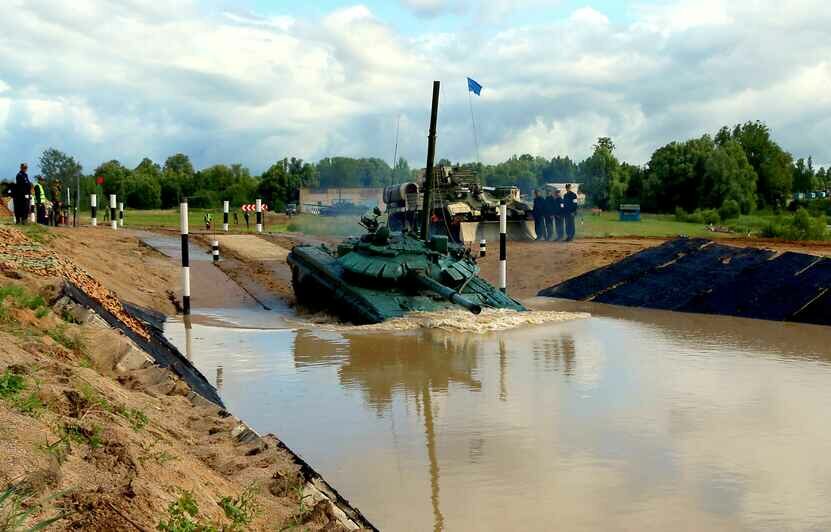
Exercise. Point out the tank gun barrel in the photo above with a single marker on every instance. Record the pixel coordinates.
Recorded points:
(447, 293)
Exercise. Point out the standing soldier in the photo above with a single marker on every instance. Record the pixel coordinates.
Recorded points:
(40, 201)
(550, 208)
(558, 215)
(247, 219)
(569, 211)
(209, 218)
(539, 216)
(236, 218)
(22, 191)
(56, 190)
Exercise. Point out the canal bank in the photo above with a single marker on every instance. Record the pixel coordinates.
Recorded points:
(107, 435)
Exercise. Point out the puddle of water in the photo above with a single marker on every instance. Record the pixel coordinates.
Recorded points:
(624, 420)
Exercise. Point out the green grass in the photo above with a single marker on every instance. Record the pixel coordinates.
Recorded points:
(169, 219)
(605, 224)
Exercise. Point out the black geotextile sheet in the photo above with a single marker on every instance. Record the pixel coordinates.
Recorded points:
(712, 279)
(762, 291)
(591, 283)
(673, 286)
(164, 353)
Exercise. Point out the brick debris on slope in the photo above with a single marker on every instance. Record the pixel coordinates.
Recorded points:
(18, 252)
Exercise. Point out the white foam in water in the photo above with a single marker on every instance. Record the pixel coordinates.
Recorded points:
(459, 320)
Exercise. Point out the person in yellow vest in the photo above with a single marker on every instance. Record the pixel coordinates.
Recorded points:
(40, 201)
(209, 218)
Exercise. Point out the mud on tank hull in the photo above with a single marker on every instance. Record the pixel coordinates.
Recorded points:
(321, 283)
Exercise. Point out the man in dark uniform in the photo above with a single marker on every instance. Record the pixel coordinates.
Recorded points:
(569, 211)
(559, 220)
(22, 191)
(539, 216)
(550, 208)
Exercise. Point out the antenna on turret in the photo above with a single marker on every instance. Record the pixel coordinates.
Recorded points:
(427, 210)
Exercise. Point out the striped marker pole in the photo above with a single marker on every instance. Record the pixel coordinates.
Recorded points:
(483, 247)
(503, 247)
(93, 205)
(68, 206)
(183, 220)
(121, 214)
(113, 206)
(215, 250)
(225, 207)
(259, 215)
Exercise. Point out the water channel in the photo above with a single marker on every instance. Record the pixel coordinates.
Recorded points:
(629, 419)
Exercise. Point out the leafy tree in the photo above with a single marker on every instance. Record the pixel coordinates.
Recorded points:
(770, 162)
(674, 174)
(728, 176)
(401, 172)
(177, 179)
(600, 176)
(115, 177)
(56, 165)
(804, 179)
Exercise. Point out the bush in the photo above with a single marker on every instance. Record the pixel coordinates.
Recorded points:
(802, 226)
(729, 210)
(707, 216)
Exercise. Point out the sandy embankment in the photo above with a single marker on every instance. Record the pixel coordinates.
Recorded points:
(100, 437)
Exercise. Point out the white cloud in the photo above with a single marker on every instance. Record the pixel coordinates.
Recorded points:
(149, 79)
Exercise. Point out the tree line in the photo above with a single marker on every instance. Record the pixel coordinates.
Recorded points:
(742, 165)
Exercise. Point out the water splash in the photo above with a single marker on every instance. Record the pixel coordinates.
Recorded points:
(457, 320)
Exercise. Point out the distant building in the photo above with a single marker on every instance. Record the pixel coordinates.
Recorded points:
(312, 199)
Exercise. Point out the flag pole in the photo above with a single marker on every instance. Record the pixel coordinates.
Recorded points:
(473, 120)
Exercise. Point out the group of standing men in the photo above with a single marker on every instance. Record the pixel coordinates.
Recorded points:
(23, 194)
(554, 214)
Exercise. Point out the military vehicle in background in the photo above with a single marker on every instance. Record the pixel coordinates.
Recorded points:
(386, 274)
(463, 208)
(343, 208)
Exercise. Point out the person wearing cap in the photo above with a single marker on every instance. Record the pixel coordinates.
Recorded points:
(569, 211)
(22, 193)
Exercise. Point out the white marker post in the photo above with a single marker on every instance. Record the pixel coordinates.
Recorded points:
(483, 247)
(215, 251)
(259, 205)
(121, 214)
(68, 206)
(503, 247)
(32, 209)
(183, 221)
(113, 206)
(225, 207)
(93, 205)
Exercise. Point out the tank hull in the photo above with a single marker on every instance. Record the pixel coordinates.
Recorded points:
(322, 283)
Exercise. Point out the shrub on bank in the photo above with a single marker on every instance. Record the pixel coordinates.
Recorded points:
(700, 216)
(730, 210)
(802, 226)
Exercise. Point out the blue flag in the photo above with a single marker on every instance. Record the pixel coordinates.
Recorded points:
(474, 87)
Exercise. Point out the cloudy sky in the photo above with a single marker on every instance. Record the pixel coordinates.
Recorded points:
(252, 81)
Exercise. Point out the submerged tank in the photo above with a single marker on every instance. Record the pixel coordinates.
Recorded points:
(386, 274)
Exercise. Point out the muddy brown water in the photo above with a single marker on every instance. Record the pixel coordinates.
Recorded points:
(627, 420)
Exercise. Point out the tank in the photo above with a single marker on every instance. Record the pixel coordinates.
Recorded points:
(463, 208)
(385, 274)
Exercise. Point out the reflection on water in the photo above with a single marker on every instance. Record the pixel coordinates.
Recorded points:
(627, 420)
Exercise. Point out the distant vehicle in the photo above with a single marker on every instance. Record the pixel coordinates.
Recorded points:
(291, 209)
(343, 208)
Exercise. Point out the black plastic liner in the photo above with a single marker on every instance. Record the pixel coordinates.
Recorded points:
(164, 353)
(696, 275)
(674, 286)
(632, 267)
